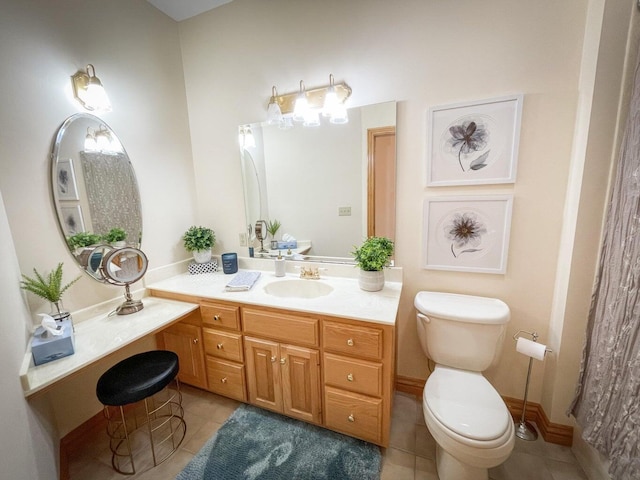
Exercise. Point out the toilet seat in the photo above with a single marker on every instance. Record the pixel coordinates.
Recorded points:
(467, 405)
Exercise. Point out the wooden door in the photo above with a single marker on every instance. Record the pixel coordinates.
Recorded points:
(300, 368)
(263, 373)
(186, 341)
(381, 182)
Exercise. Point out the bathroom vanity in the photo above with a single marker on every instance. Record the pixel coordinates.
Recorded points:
(327, 360)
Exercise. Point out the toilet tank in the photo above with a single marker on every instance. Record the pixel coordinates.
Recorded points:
(461, 331)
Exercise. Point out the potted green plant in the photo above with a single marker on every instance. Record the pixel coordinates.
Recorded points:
(199, 241)
(83, 239)
(50, 288)
(371, 257)
(116, 237)
(272, 227)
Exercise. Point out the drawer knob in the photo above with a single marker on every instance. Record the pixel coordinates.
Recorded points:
(216, 317)
(351, 418)
(350, 342)
(195, 340)
(219, 346)
(224, 380)
(273, 359)
(350, 377)
(283, 361)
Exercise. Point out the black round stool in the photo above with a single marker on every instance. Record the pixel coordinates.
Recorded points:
(142, 382)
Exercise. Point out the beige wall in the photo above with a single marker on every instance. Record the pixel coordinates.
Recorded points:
(421, 54)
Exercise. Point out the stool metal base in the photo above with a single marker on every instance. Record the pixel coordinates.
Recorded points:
(165, 429)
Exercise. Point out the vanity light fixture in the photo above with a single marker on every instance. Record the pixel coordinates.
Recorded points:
(245, 137)
(88, 90)
(101, 140)
(305, 105)
(274, 114)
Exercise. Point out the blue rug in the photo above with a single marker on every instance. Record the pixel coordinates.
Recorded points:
(255, 444)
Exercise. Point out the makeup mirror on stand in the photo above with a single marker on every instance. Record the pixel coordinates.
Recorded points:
(124, 266)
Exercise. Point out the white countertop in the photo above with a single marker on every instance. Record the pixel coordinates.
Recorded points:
(346, 300)
(99, 336)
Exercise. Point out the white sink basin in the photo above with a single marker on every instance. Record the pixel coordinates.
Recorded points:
(298, 289)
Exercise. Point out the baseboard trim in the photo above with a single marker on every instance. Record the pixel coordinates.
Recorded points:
(551, 432)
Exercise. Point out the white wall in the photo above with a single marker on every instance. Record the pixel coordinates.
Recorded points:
(26, 425)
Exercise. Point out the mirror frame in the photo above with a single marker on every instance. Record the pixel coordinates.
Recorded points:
(86, 259)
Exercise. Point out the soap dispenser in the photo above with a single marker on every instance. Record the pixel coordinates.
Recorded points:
(280, 267)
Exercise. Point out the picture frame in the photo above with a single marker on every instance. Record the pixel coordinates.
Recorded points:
(468, 233)
(66, 180)
(474, 143)
(72, 219)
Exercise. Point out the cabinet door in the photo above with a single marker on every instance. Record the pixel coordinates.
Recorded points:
(263, 373)
(300, 369)
(185, 340)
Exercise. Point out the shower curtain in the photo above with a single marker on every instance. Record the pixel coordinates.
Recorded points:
(607, 402)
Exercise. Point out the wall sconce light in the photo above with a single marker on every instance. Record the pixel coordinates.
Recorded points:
(274, 114)
(88, 90)
(245, 137)
(305, 105)
(101, 140)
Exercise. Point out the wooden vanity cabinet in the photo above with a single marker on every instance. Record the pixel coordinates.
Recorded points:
(358, 366)
(280, 376)
(223, 347)
(334, 372)
(185, 339)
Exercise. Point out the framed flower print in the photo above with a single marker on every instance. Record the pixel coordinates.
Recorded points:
(474, 143)
(467, 233)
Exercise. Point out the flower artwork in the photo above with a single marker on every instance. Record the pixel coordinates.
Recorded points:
(474, 143)
(467, 233)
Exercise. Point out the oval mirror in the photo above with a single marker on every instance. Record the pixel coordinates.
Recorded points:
(95, 192)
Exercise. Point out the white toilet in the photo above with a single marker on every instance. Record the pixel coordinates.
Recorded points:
(466, 416)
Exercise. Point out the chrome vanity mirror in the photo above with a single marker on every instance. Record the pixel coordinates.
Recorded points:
(95, 192)
(124, 266)
(331, 185)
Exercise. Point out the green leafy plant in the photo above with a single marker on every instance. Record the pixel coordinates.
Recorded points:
(199, 238)
(83, 239)
(115, 235)
(374, 253)
(272, 227)
(48, 287)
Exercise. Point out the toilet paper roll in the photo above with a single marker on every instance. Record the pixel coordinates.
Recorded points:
(531, 349)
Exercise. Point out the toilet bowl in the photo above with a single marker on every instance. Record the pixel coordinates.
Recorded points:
(466, 416)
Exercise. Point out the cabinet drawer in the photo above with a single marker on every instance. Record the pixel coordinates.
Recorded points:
(360, 341)
(353, 414)
(223, 344)
(217, 315)
(353, 374)
(279, 326)
(226, 378)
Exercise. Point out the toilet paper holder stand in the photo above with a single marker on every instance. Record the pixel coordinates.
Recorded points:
(524, 429)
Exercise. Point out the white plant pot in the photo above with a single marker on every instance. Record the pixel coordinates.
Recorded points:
(119, 244)
(371, 281)
(202, 256)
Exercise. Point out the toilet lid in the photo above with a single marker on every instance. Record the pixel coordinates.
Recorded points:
(466, 403)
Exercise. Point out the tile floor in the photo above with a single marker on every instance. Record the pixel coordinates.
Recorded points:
(410, 455)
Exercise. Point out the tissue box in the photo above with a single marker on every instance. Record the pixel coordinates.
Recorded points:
(283, 245)
(50, 347)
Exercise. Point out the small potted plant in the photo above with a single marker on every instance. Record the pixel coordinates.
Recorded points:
(199, 241)
(272, 227)
(372, 256)
(50, 288)
(116, 237)
(79, 242)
